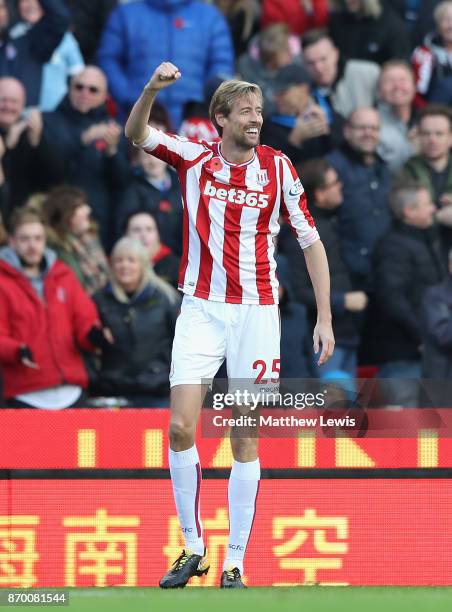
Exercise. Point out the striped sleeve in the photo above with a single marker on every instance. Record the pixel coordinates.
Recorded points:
(174, 150)
(422, 62)
(294, 205)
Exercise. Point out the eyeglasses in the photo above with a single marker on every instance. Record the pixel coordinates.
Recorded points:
(91, 88)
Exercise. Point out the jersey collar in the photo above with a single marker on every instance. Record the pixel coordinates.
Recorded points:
(223, 159)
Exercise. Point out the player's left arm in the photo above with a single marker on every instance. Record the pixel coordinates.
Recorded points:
(294, 208)
(317, 265)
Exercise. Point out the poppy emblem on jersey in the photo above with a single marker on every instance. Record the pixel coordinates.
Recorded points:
(216, 164)
(262, 177)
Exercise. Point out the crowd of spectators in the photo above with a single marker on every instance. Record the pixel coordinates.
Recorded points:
(356, 93)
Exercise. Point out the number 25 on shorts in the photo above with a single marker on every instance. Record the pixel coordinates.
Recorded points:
(261, 367)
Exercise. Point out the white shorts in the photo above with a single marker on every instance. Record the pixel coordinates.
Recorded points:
(207, 333)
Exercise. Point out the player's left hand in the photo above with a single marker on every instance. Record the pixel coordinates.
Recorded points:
(324, 337)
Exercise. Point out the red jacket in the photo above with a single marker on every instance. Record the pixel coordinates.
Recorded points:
(294, 15)
(54, 331)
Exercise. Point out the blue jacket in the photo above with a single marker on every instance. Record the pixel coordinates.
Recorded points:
(364, 215)
(139, 36)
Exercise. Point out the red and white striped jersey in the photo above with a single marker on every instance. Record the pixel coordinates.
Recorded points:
(231, 216)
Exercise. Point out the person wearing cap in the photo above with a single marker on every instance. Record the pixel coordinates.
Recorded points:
(299, 126)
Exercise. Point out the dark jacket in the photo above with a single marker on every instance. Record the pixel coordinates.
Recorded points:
(88, 167)
(437, 327)
(28, 170)
(367, 38)
(139, 36)
(420, 22)
(23, 58)
(296, 335)
(166, 265)
(345, 323)
(407, 262)
(165, 207)
(364, 215)
(138, 363)
(417, 168)
(88, 18)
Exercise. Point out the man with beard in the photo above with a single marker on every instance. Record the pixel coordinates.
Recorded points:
(433, 166)
(233, 191)
(46, 318)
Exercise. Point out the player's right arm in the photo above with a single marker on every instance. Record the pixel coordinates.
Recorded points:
(174, 150)
(137, 124)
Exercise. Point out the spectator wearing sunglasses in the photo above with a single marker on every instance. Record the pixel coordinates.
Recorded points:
(91, 145)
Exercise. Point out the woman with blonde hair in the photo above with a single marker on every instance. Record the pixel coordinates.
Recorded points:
(139, 310)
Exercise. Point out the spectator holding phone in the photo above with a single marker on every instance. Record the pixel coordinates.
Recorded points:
(299, 126)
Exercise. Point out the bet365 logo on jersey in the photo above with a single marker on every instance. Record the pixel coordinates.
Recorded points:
(237, 196)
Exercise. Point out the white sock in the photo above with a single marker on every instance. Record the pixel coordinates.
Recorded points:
(186, 478)
(242, 494)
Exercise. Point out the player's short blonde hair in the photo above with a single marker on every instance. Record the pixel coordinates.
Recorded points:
(224, 97)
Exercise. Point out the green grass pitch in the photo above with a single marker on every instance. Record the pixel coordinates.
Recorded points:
(303, 599)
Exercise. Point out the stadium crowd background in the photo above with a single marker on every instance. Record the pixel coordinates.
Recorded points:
(357, 93)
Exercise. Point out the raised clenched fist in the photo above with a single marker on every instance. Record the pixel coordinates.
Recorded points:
(164, 75)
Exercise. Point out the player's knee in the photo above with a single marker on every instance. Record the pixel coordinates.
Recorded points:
(180, 433)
